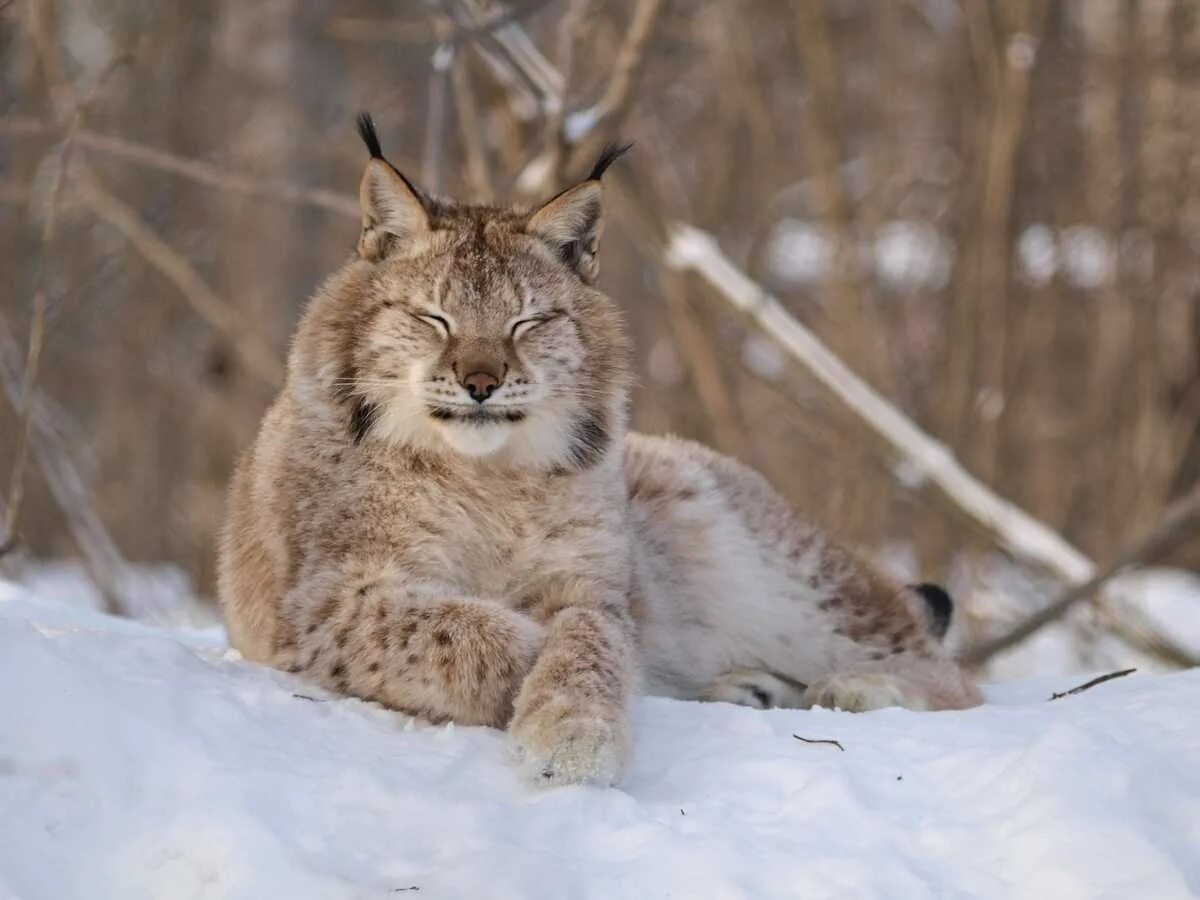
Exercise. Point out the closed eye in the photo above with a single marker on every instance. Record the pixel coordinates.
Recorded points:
(524, 326)
(441, 323)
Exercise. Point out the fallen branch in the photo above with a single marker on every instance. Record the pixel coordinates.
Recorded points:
(1022, 535)
(1025, 537)
(1180, 522)
(820, 741)
(1091, 684)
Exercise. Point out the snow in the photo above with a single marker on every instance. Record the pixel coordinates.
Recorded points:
(144, 762)
(906, 256)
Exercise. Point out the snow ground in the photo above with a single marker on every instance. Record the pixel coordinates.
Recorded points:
(141, 762)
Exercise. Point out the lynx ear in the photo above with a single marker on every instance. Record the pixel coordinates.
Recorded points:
(393, 208)
(572, 221)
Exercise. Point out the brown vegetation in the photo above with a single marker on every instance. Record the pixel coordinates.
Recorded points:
(990, 210)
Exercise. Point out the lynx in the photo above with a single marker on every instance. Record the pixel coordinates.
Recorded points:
(443, 510)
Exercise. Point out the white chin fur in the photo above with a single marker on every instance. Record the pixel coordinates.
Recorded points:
(475, 440)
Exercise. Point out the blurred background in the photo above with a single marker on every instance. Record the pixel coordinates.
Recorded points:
(989, 210)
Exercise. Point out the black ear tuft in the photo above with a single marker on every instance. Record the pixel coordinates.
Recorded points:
(939, 606)
(609, 155)
(366, 130)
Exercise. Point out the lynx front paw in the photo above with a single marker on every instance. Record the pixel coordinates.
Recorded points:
(557, 749)
(862, 692)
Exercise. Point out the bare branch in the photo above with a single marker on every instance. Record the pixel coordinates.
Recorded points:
(570, 31)
(1091, 684)
(102, 560)
(260, 360)
(694, 344)
(389, 31)
(853, 326)
(435, 123)
(1023, 535)
(1181, 521)
(1011, 527)
(606, 117)
(479, 174)
(194, 170)
(820, 741)
(37, 325)
(516, 47)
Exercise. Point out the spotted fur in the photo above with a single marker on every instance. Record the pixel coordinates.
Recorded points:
(520, 560)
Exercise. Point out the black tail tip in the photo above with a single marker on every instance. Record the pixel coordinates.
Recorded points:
(609, 155)
(366, 130)
(938, 604)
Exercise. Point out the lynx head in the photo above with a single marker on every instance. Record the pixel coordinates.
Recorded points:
(473, 330)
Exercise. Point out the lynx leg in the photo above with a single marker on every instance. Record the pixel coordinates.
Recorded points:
(571, 719)
(913, 672)
(442, 658)
(930, 684)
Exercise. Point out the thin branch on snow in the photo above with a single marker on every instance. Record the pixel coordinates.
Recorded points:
(1091, 684)
(820, 741)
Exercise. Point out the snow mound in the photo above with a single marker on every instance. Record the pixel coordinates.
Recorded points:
(138, 762)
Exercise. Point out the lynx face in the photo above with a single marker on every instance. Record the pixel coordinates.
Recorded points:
(475, 329)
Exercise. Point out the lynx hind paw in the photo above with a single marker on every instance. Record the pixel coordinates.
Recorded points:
(854, 692)
(756, 689)
(574, 750)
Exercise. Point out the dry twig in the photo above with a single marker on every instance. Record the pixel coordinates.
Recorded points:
(1091, 684)
(193, 169)
(434, 150)
(479, 174)
(412, 32)
(820, 741)
(608, 115)
(101, 559)
(37, 324)
(570, 32)
(260, 360)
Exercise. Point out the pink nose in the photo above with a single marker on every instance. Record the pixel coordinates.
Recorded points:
(481, 385)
